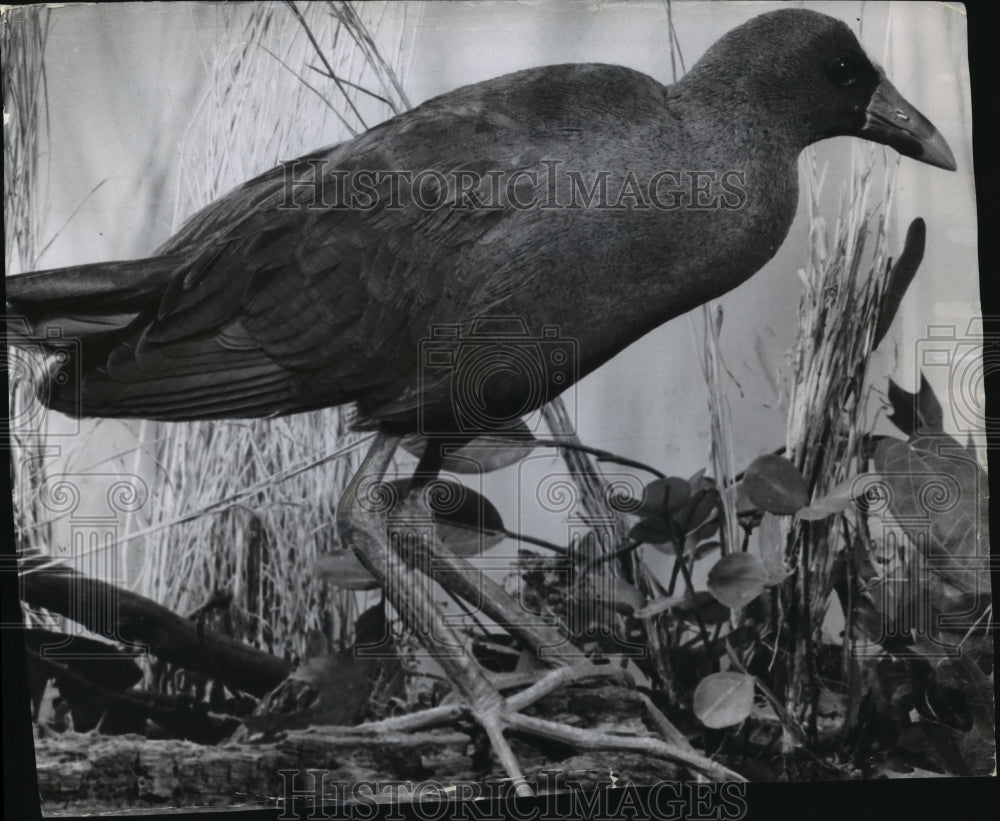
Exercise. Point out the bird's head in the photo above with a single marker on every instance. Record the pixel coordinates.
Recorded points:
(807, 74)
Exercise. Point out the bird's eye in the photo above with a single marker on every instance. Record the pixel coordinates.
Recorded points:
(843, 72)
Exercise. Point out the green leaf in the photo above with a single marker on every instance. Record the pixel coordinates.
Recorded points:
(900, 277)
(723, 699)
(653, 530)
(665, 496)
(743, 502)
(483, 454)
(699, 509)
(738, 579)
(705, 531)
(916, 414)
(698, 479)
(775, 485)
(466, 522)
(941, 502)
(464, 541)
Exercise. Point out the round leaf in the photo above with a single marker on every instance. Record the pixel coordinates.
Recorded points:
(723, 699)
(699, 509)
(775, 485)
(652, 530)
(738, 579)
(704, 605)
(464, 541)
(483, 454)
(743, 502)
(665, 496)
(466, 522)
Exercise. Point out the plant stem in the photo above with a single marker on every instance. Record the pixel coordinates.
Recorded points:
(686, 571)
(607, 456)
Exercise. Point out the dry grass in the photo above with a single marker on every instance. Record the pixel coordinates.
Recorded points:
(243, 506)
(23, 40)
(270, 96)
(723, 459)
(845, 278)
(707, 341)
(595, 511)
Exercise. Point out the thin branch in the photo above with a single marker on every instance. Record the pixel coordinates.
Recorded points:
(319, 51)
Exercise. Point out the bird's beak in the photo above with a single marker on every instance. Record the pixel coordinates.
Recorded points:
(891, 120)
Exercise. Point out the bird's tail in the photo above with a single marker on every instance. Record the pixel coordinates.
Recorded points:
(71, 317)
(84, 300)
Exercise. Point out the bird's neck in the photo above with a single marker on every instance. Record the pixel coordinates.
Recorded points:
(749, 212)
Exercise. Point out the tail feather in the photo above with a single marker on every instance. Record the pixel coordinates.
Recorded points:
(83, 300)
(124, 283)
(89, 323)
(245, 392)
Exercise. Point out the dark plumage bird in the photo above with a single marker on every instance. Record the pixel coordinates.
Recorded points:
(259, 306)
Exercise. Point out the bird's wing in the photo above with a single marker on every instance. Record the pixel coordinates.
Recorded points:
(282, 308)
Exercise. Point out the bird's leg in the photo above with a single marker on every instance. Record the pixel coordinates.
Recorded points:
(431, 462)
(360, 525)
(459, 578)
(456, 575)
(364, 524)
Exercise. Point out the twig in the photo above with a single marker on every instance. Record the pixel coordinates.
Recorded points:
(596, 740)
(605, 456)
(689, 583)
(319, 51)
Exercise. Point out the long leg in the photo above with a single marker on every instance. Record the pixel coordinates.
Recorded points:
(458, 576)
(431, 461)
(410, 596)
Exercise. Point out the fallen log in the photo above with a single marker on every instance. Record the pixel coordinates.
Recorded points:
(149, 627)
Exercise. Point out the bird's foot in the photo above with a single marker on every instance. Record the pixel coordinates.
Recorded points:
(508, 714)
(387, 546)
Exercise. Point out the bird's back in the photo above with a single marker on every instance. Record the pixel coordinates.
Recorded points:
(322, 281)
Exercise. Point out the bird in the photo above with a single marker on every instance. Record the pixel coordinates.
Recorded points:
(465, 262)
(263, 304)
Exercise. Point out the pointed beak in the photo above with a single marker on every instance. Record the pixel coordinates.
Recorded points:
(891, 120)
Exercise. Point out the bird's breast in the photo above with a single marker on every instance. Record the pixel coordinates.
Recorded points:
(607, 275)
(581, 253)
